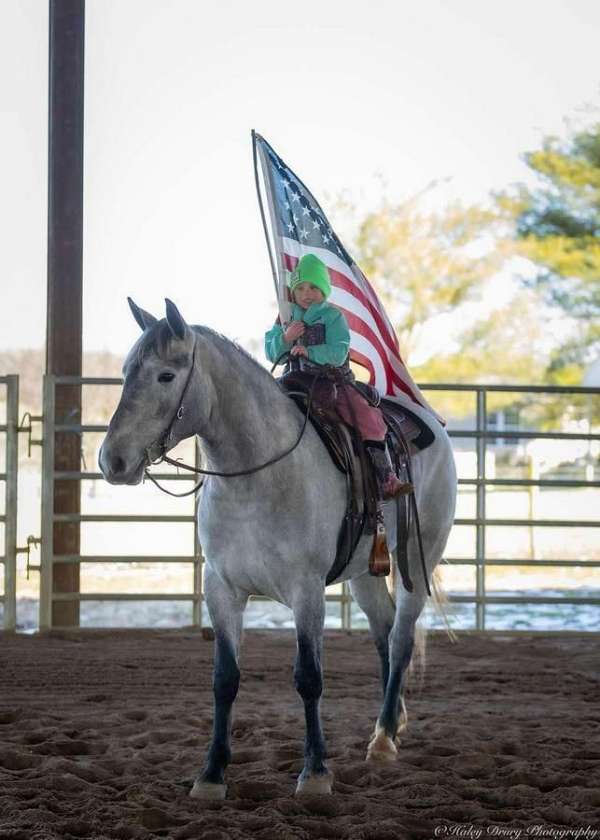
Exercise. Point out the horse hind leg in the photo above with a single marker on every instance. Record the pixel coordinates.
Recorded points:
(392, 717)
(372, 596)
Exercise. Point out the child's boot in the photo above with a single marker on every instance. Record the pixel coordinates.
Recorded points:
(390, 485)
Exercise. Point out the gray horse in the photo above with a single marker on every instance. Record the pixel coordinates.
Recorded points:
(272, 532)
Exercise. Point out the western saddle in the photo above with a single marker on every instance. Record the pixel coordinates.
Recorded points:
(311, 388)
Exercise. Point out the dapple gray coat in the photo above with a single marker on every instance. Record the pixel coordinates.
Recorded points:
(273, 532)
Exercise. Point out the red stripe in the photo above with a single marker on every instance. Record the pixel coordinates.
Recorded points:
(342, 281)
(358, 325)
(364, 361)
(375, 298)
(392, 376)
(361, 359)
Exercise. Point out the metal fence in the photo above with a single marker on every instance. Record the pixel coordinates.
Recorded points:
(9, 518)
(481, 434)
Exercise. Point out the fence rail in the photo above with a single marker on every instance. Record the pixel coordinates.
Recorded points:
(9, 478)
(481, 434)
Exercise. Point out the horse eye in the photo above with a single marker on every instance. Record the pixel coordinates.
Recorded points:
(166, 377)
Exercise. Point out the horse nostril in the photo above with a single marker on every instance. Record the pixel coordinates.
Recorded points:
(117, 465)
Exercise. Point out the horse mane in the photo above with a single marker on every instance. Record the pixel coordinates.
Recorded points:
(158, 340)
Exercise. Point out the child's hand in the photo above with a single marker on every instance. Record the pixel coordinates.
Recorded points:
(294, 331)
(299, 350)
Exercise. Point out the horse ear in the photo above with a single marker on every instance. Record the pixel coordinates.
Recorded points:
(145, 319)
(175, 320)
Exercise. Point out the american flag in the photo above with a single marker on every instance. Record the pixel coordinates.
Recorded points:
(299, 226)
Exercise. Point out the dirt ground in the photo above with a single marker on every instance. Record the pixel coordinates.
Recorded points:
(101, 733)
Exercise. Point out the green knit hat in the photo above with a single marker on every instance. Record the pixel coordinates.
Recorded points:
(311, 269)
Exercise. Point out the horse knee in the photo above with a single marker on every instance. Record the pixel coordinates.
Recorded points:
(308, 676)
(226, 685)
(308, 681)
(226, 676)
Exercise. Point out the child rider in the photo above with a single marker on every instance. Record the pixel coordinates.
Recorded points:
(318, 334)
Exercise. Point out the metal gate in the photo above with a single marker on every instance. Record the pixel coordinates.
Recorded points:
(47, 556)
(9, 518)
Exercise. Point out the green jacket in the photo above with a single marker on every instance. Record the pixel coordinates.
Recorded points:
(337, 335)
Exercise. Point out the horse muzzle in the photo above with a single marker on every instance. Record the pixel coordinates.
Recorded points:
(118, 470)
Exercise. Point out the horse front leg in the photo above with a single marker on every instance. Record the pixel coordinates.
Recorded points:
(309, 615)
(226, 610)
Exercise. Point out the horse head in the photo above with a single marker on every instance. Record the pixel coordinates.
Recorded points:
(151, 416)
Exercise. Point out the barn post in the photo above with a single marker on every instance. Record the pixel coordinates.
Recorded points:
(64, 311)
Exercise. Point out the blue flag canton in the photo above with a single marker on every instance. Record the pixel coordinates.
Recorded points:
(298, 214)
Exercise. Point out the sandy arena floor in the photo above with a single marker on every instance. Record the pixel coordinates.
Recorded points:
(101, 733)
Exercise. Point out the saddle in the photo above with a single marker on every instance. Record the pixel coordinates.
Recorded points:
(407, 434)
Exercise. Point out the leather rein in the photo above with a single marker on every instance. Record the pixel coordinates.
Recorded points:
(165, 442)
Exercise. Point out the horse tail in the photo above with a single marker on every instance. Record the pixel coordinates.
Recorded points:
(418, 662)
(441, 602)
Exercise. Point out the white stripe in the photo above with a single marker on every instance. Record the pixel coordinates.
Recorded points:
(359, 343)
(359, 279)
(295, 249)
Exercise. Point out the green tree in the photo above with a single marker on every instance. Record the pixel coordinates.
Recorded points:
(558, 227)
(427, 263)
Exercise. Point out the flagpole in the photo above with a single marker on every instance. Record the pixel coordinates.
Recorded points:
(262, 213)
(284, 309)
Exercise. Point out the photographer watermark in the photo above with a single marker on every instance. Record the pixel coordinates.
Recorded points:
(469, 831)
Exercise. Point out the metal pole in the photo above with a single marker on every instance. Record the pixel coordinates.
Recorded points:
(480, 512)
(47, 544)
(198, 558)
(10, 527)
(64, 310)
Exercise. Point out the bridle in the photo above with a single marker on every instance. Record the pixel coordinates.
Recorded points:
(164, 442)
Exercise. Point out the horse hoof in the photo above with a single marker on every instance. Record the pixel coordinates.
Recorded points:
(320, 784)
(208, 790)
(382, 748)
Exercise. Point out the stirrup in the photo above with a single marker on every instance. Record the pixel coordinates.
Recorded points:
(379, 559)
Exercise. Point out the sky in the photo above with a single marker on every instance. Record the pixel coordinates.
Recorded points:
(346, 92)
